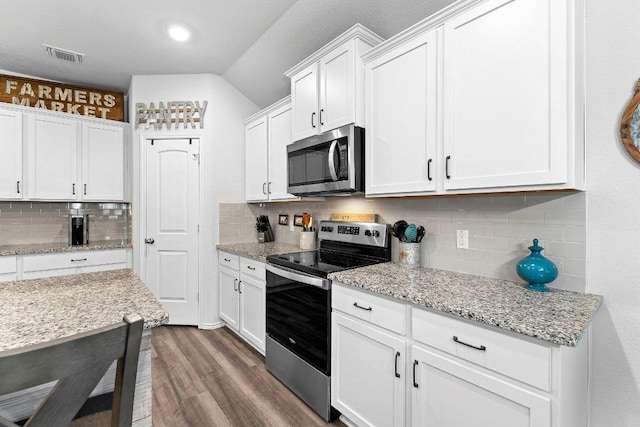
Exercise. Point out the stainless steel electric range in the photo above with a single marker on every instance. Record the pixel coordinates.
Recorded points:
(298, 343)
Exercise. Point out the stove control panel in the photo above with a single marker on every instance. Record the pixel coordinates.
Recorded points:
(364, 233)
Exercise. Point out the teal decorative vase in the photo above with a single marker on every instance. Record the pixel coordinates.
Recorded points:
(536, 269)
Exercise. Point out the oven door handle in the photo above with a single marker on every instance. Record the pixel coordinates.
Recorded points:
(299, 277)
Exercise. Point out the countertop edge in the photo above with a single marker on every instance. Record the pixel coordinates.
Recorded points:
(38, 249)
(571, 341)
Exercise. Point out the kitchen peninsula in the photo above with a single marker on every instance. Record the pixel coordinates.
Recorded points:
(36, 311)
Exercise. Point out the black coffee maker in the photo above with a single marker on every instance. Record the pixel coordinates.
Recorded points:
(78, 230)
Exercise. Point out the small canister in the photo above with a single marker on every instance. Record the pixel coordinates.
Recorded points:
(308, 240)
(409, 255)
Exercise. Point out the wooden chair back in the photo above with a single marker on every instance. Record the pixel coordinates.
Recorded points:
(77, 362)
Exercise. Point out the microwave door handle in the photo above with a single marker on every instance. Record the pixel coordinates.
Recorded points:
(332, 164)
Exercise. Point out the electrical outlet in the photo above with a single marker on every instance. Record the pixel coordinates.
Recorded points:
(462, 239)
(290, 225)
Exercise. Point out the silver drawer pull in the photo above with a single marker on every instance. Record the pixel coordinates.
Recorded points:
(481, 348)
(79, 260)
(250, 268)
(227, 259)
(355, 304)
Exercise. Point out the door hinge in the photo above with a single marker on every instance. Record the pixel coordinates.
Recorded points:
(196, 157)
(198, 296)
(198, 228)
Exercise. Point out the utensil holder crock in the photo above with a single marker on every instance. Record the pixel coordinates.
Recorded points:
(308, 240)
(409, 255)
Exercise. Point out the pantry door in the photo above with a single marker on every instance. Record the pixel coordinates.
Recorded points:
(173, 206)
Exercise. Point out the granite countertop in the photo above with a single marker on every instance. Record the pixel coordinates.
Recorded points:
(557, 316)
(259, 251)
(49, 248)
(35, 311)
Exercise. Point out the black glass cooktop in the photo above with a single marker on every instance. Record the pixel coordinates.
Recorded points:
(320, 262)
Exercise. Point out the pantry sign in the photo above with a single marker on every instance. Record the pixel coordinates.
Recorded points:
(62, 97)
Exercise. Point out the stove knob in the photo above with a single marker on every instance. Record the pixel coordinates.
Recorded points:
(367, 232)
(376, 233)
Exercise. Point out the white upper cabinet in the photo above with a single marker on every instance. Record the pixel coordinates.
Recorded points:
(304, 94)
(102, 162)
(338, 88)
(400, 88)
(327, 87)
(267, 135)
(482, 97)
(279, 138)
(52, 153)
(256, 158)
(506, 111)
(55, 156)
(11, 182)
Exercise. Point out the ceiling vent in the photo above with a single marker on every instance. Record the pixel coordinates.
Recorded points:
(64, 55)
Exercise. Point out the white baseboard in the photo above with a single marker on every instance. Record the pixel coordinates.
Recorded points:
(215, 325)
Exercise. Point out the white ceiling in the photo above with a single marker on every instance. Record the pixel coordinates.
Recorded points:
(251, 43)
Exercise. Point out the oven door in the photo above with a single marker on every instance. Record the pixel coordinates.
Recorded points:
(298, 313)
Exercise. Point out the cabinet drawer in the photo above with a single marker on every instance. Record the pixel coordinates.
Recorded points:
(253, 268)
(7, 264)
(73, 260)
(229, 260)
(514, 357)
(377, 310)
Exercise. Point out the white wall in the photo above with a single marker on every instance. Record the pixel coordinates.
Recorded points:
(221, 161)
(613, 213)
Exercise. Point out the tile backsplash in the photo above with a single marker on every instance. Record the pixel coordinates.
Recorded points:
(43, 222)
(501, 227)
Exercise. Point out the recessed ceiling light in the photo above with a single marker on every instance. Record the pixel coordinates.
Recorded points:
(179, 33)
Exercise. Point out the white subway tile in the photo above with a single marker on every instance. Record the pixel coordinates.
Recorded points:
(576, 267)
(509, 230)
(566, 250)
(565, 217)
(575, 234)
(493, 216)
(545, 232)
(477, 255)
(493, 243)
(462, 266)
(545, 201)
(527, 216)
(509, 202)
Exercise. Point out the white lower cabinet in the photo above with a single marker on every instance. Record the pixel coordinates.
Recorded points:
(242, 285)
(367, 379)
(446, 372)
(8, 269)
(60, 264)
(445, 392)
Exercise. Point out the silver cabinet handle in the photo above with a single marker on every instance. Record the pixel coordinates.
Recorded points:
(263, 188)
(18, 187)
(73, 189)
(85, 189)
(321, 122)
(227, 259)
(150, 241)
(239, 288)
(269, 187)
(235, 282)
(313, 115)
(250, 268)
(396, 365)
(79, 260)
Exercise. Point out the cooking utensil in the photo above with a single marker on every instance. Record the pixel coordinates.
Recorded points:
(410, 233)
(398, 229)
(420, 235)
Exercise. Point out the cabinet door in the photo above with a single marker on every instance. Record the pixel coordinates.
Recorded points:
(401, 119)
(11, 182)
(367, 378)
(228, 294)
(102, 162)
(337, 88)
(279, 138)
(304, 103)
(256, 144)
(52, 156)
(252, 310)
(506, 94)
(446, 393)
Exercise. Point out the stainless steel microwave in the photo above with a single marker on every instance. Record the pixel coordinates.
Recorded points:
(328, 164)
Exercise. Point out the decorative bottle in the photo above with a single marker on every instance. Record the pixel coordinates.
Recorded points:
(536, 269)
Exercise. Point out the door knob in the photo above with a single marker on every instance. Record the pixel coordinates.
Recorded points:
(149, 241)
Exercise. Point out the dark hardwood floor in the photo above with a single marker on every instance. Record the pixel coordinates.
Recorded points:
(212, 378)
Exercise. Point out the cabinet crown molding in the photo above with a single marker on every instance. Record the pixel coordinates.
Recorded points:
(358, 31)
(419, 28)
(268, 110)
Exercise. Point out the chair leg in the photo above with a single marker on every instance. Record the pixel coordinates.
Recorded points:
(126, 370)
